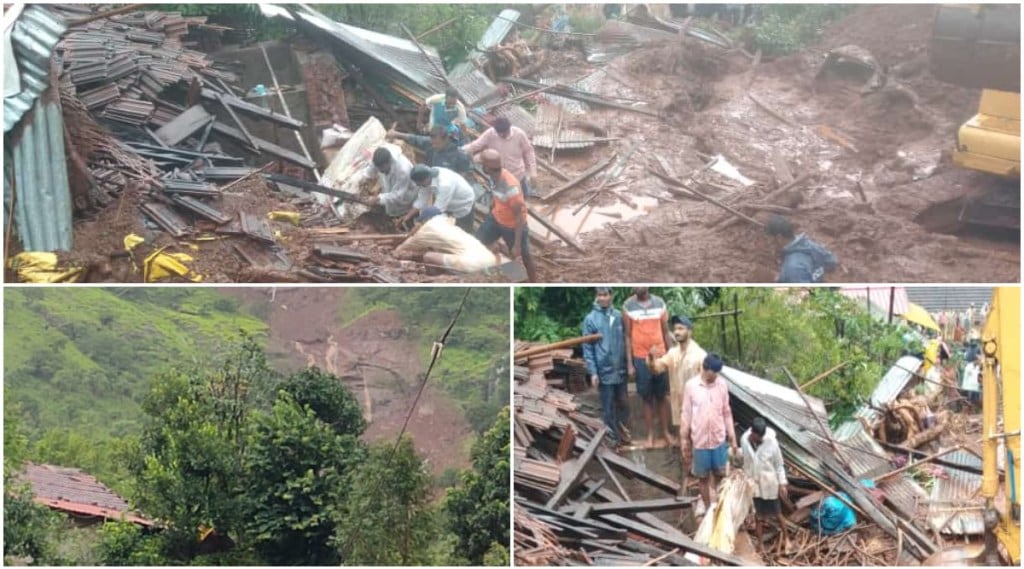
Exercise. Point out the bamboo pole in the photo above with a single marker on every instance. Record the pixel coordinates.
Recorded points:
(537, 350)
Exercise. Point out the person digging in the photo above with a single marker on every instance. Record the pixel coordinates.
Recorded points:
(803, 260)
(762, 463)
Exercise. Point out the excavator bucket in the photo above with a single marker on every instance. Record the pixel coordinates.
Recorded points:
(977, 46)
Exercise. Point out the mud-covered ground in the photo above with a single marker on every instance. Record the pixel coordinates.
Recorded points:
(375, 356)
(879, 147)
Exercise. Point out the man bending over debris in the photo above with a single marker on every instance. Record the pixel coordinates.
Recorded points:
(439, 149)
(438, 241)
(606, 363)
(706, 430)
(445, 110)
(646, 320)
(803, 260)
(513, 146)
(445, 190)
(397, 192)
(762, 462)
(507, 219)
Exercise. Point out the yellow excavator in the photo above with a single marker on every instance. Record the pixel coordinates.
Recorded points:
(978, 46)
(1000, 412)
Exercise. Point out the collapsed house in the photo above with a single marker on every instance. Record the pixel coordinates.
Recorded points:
(77, 494)
(573, 492)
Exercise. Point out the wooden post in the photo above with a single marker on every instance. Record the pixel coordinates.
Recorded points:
(736, 319)
(557, 346)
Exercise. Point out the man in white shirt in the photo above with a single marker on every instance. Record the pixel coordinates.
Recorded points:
(446, 190)
(438, 241)
(397, 192)
(762, 463)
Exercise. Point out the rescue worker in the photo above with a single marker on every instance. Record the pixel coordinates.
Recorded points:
(803, 260)
(507, 220)
(445, 110)
(440, 149)
(514, 148)
(445, 190)
(397, 192)
(762, 463)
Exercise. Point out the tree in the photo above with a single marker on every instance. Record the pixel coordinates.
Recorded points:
(293, 465)
(189, 465)
(27, 525)
(124, 544)
(386, 517)
(479, 508)
(330, 401)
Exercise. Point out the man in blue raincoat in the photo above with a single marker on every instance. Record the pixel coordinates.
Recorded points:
(606, 364)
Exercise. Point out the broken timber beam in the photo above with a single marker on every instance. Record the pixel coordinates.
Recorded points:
(247, 107)
(589, 173)
(579, 96)
(639, 506)
(265, 146)
(727, 208)
(537, 350)
(679, 540)
(575, 469)
(552, 168)
(555, 229)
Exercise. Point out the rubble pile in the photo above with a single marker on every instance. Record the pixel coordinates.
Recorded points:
(574, 498)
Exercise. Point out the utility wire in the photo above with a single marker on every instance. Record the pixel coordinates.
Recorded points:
(435, 355)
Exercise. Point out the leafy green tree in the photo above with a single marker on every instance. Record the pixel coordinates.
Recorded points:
(385, 516)
(479, 508)
(293, 465)
(124, 544)
(330, 401)
(27, 525)
(191, 449)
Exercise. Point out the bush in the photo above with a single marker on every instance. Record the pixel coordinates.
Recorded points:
(124, 544)
(786, 28)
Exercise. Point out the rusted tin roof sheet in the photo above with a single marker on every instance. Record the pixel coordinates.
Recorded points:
(33, 37)
(937, 299)
(954, 503)
(71, 490)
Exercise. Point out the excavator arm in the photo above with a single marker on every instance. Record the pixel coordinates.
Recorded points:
(978, 46)
(1001, 423)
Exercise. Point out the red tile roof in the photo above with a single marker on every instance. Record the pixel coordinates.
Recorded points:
(73, 491)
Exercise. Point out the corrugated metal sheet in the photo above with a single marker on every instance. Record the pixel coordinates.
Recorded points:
(879, 298)
(42, 197)
(498, 29)
(33, 38)
(894, 380)
(937, 299)
(42, 204)
(370, 49)
(954, 491)
(474, 85)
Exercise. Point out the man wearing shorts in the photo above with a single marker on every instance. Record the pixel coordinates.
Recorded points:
(762, 462)
(646, 321)
(706, 430)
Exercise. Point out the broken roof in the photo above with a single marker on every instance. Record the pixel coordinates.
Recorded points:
(33, 35)
(954, 506)
(400, 58)
(73, 491)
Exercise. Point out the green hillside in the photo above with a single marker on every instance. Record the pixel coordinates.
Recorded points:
(80, 359)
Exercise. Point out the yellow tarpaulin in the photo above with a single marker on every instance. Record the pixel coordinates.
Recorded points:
(918, 315)
(42, 267)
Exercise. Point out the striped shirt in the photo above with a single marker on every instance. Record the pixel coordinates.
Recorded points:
(645, 322)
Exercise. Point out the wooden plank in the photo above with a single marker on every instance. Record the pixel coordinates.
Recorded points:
(183, 126)
(589, 173)
(250, 140)
(575, 469)
(639, 506)
(555, 229)
(537, 350)
(634, 470)
(679, 540)
(247, 107)
(265, 146)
